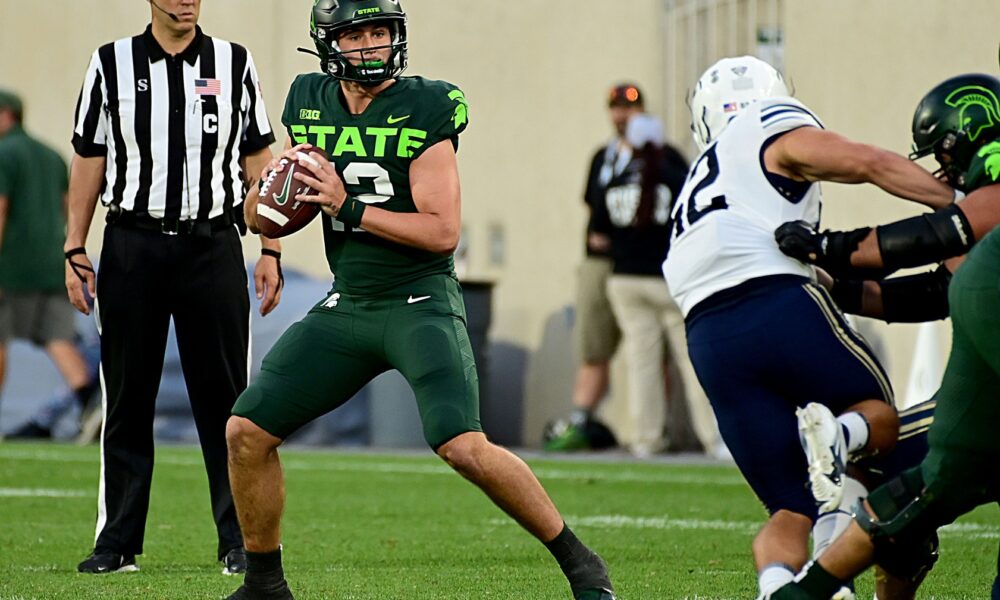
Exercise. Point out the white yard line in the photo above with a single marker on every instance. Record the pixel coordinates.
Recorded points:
(957, 530)
(294, 463)
(42, 493)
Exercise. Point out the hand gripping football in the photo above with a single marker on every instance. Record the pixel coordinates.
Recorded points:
(278, 212)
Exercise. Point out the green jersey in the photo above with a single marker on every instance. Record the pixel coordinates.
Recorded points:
(985, 167)
(33, 178)
(372, 152)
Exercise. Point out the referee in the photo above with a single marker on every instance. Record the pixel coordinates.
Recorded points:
(169, 130)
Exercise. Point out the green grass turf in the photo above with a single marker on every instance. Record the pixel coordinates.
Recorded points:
(383, 526)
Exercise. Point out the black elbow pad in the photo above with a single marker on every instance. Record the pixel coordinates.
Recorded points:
(925, 239)
(916, 298)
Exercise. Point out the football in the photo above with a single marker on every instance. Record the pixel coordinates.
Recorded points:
(278, 212)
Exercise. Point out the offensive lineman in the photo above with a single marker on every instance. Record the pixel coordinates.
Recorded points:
(765, 339)
(897, 525)
(395, 302)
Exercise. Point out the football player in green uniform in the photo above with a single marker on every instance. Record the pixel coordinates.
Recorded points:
(391, 202)
(959, 122)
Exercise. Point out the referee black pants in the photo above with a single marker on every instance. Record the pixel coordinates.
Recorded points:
(145, 278)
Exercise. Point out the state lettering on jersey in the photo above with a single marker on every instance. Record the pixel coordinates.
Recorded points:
(367, 142)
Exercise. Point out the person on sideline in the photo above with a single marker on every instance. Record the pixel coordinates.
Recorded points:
(33, 303)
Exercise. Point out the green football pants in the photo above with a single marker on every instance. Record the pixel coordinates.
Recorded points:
(345, 341)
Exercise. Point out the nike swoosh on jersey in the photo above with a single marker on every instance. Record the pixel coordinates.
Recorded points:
(412, 300)
(393, 121)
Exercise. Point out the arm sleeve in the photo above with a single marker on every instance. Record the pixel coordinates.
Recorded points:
(257, 131)
(90, 125)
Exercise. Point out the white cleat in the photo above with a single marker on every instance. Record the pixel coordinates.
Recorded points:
(844, 593)
(826, 451)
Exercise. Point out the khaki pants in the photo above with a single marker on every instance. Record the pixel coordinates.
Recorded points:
(648, 317)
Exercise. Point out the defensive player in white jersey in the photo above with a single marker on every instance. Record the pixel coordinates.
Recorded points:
(766, 341)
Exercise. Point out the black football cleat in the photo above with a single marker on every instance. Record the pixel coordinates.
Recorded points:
(276, 591)
(108, 562)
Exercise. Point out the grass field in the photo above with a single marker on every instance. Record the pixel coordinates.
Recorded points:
(386, 526)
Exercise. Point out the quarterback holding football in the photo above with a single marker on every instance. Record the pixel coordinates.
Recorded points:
(387, 182)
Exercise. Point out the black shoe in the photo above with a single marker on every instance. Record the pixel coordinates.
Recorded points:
(278, 591)
(234, 562)
(589, 579)
(108, 562)
(30, 431)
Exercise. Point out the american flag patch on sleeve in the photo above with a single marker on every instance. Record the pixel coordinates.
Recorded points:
(208, 87)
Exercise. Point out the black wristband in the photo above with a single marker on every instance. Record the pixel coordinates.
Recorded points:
(276, 255)
(351, 212)
(74, 251)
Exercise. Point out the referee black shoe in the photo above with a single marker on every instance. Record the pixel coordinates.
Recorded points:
(108, 562)
(234, 562)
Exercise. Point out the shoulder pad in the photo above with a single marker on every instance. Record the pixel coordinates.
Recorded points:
(778, 115)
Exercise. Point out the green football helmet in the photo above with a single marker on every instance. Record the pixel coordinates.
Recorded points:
(956, 118)
(329, 17)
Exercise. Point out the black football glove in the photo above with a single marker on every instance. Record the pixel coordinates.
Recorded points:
(798, 240)
(829, 250)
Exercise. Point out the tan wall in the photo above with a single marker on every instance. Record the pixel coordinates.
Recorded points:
(863, 66)
(535, 74)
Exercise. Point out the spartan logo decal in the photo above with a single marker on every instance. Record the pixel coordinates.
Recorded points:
(991, 152)
(979, 109)
(461, 110)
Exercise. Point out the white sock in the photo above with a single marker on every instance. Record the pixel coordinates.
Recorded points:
(830, 525)
(855, 431)
(773, 576)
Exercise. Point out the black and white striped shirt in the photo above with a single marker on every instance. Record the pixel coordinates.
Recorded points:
(173, 128)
